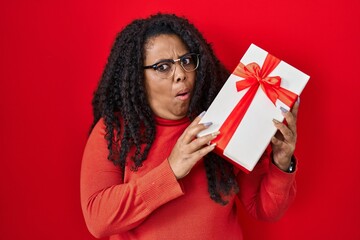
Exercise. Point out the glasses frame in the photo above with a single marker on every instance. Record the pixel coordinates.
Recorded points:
(173, 61)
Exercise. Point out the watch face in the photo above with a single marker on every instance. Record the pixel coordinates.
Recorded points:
(291, 167)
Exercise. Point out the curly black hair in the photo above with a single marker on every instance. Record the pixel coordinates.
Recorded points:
(120, 98)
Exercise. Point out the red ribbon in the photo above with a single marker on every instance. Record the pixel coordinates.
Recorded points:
(254, 76)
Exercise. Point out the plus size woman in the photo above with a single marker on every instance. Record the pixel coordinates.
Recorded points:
(145, 174)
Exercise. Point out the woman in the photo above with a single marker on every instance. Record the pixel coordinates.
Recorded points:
(144, 174)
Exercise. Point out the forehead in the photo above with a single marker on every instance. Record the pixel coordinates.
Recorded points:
(164, 46)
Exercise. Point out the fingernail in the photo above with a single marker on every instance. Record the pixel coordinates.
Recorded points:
(202, 114)
(207, 124)
(283, 110)
(275, 121)
(298, 100)
(214, 134)
(213, 145)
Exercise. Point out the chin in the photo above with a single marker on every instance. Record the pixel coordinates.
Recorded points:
(180, 115)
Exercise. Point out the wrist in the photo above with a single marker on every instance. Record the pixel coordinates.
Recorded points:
(288, 167)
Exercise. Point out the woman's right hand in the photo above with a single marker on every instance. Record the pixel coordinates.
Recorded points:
(189, 149)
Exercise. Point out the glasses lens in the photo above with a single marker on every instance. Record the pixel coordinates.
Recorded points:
(164, 69)
(190, 62)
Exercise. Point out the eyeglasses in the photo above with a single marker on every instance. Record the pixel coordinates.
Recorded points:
(166, 68)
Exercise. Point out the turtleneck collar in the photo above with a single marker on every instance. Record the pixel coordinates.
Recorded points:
(168, 122)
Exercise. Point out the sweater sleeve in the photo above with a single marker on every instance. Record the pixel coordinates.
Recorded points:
(111, 206)
(267, 191)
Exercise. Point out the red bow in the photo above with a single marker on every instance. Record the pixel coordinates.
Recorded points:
(254, 75)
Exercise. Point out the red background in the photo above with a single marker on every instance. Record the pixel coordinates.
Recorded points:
(52, 54)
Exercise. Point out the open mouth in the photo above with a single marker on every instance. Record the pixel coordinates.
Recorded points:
(183, 95)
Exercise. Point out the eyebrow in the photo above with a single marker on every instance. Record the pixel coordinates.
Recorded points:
(169, 59)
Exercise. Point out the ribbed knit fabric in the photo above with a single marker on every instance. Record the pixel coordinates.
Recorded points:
(151, 204)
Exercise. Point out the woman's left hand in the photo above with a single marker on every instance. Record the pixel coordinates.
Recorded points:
(284, 141)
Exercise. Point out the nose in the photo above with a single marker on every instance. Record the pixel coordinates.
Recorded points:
(180, 74)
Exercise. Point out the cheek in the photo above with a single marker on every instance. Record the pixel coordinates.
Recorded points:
(148, 87)
(155, 90)
(192, 78)
(149, 81)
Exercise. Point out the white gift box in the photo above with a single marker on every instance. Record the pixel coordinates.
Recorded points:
(253, 134)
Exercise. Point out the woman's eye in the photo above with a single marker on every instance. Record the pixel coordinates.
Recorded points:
(186, 60)
(163, 67)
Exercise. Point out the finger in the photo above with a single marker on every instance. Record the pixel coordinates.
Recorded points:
(193, 158)
(276, 142)
(194, 128)
(289, 136)
(205, 150)
(197, 119)
(290, 119)
(191, 132)
(195, 122)
(202, 141)
(295, 108)
(279, 135)
(294, 112)
(202, 152)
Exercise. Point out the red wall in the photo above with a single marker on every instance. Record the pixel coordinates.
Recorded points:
(52, 54)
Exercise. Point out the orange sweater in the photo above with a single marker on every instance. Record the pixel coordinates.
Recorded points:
(152, 204)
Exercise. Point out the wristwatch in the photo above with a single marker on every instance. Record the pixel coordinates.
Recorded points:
(292, 166)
